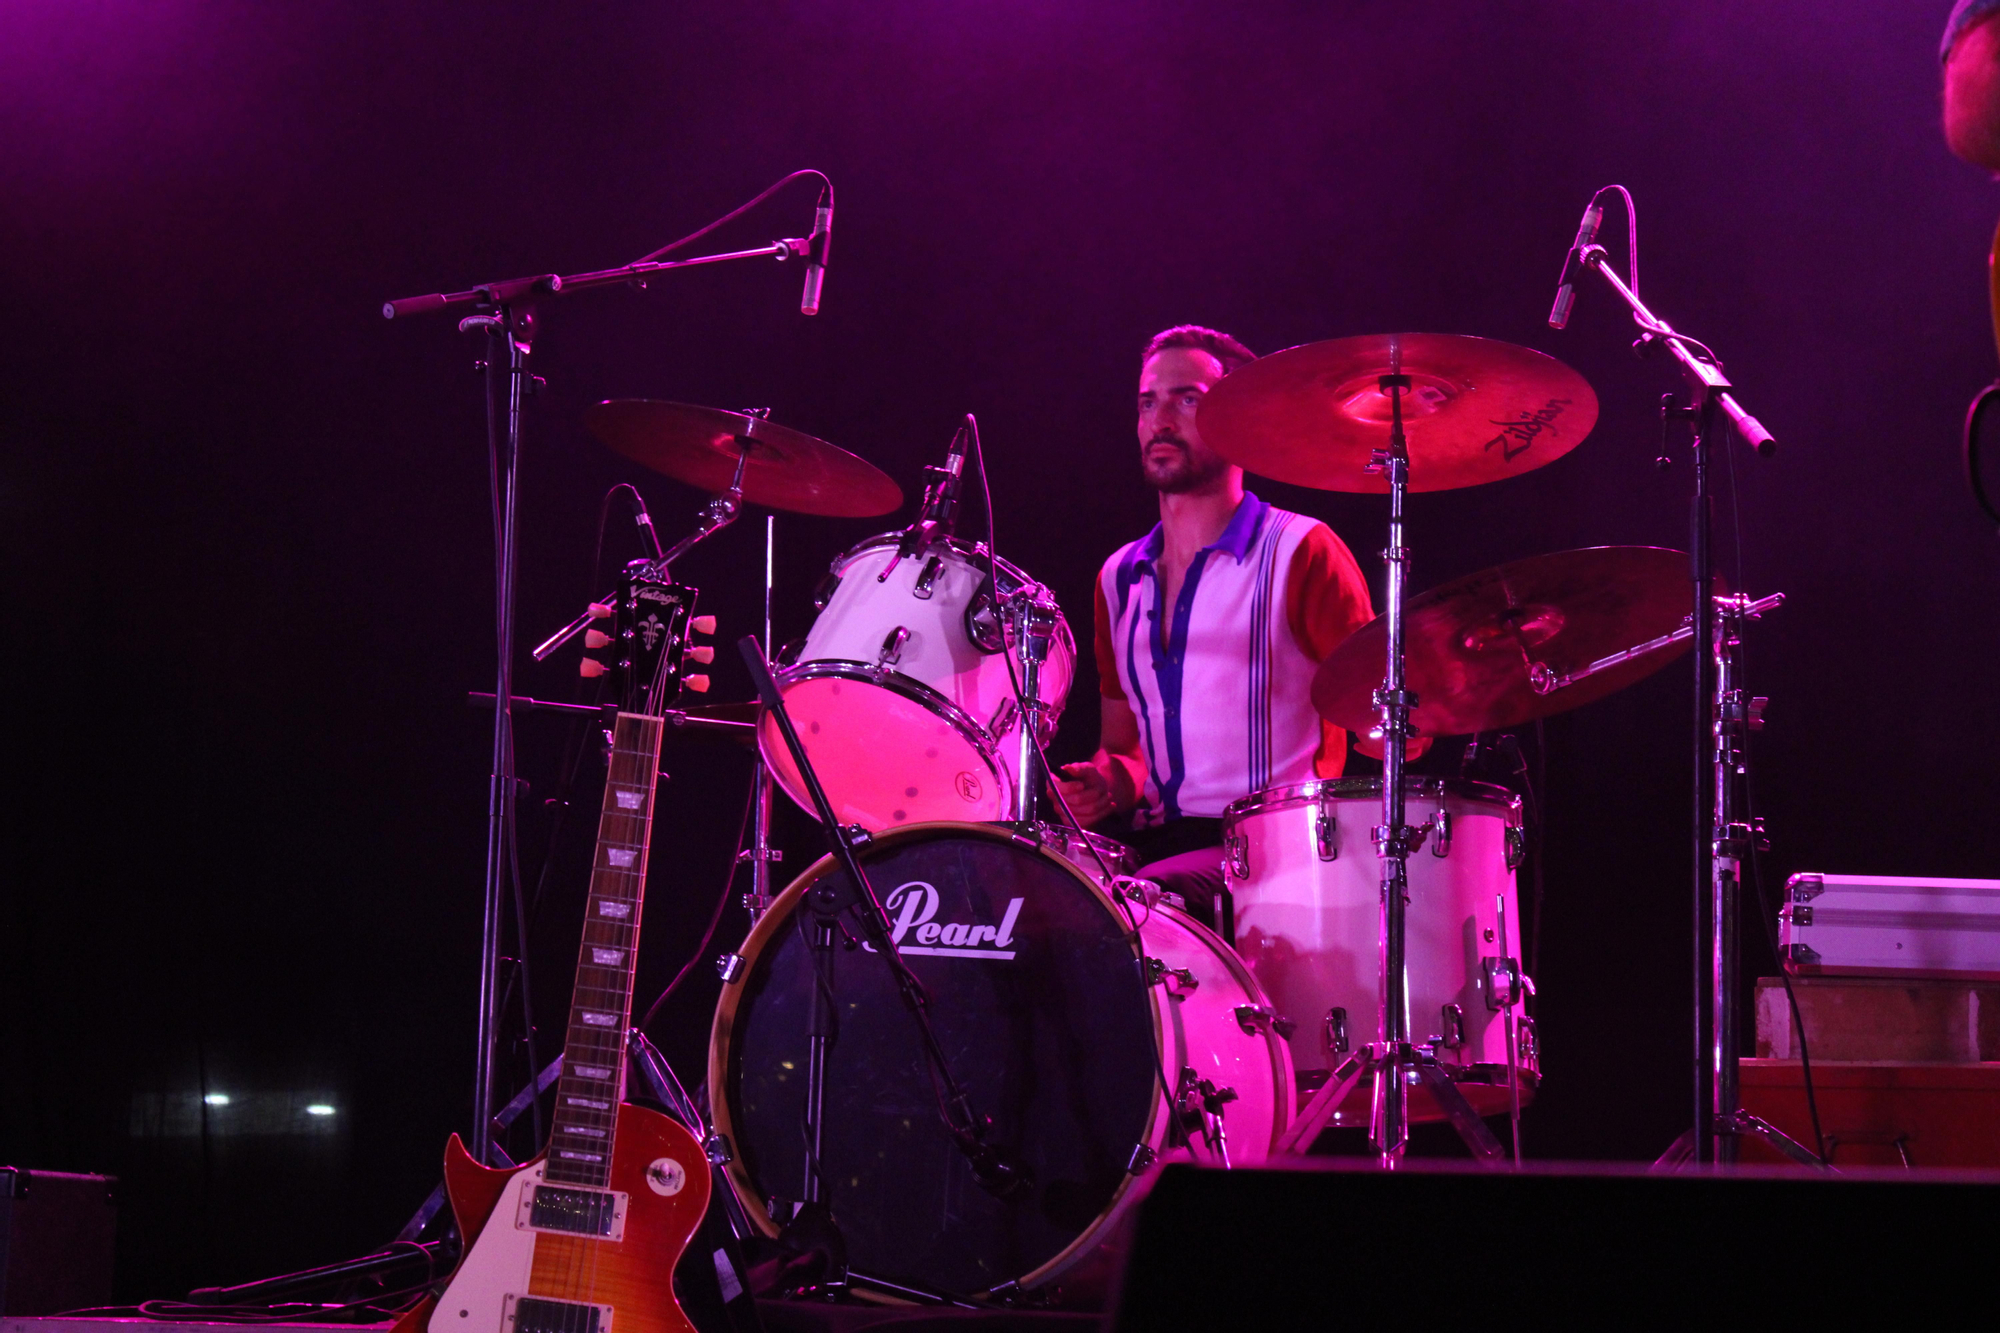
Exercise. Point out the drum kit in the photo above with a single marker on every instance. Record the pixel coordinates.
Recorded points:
(1361, 971)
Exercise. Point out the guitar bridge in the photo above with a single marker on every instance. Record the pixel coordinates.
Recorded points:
(573, 1212)
(539, 1314)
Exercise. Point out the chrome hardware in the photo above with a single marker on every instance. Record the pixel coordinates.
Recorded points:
(730, 968)
(1803, 888)
(1517, 846)
(1236, 855)
(1452, 1037)
(1441, 830)
(1157, 971)
(716, 1148)
(823, 593)
(1004, 718)
(1501, 981)
(1802, 955)
(1529, 1052)
(1799, 914)
(1336, 1031)
(921, 589)
(1326, 832)
(1255, 1018)
(892, 647)
(1141, 1158)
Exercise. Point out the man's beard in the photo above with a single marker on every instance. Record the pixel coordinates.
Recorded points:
(1182, 474)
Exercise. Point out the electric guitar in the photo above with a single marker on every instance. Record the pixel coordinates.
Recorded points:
(584, 1239)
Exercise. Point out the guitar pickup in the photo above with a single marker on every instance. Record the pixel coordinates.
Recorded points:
(568, 1211)
(539, 1314)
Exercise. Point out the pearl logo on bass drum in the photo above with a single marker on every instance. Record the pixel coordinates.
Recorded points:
(911, 908)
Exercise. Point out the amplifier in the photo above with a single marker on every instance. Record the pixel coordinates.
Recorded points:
(1876, 925)
(56, 1233)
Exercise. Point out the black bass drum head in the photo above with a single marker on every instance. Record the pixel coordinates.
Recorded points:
(1038, 1001)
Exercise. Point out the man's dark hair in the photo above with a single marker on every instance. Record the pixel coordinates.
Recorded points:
(1217, 344)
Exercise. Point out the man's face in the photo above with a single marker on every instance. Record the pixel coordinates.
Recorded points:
(1171, 386)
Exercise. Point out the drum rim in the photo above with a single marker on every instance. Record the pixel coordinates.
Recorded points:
(1347, 788)
(912, 689)
(973, 552)
(722, 1117)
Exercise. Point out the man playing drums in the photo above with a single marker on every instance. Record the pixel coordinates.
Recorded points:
(1208, 632)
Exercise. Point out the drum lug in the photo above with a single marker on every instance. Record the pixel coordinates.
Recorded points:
(1157, 971)
(1441, 830)
(1326, 832)
(827, 587)
(1517, 845)
(1255, 1018)
(1003, 718)
(1141, 1158)
(1505, 982)
(1336, 1031)
(730, 968)
(1236, 854)
(1453, 1024)
(892, 648)
(922, 588)
(716, 1148)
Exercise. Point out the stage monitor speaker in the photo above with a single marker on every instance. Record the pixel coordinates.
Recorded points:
(56, 1234)
(1451, 1246)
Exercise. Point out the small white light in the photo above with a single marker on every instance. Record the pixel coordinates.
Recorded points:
(217, 1099)
(319, 1108)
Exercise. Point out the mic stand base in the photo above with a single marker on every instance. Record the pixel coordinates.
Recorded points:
(1741, 1124)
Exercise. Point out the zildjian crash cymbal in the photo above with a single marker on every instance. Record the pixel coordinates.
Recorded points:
(1476, 411)
(786, 469)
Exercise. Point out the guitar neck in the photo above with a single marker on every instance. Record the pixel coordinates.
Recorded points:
(593, 1076)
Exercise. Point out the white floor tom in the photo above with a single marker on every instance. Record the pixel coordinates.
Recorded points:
(901, 692)
(1301, 865)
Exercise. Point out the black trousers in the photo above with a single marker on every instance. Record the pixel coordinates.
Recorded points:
(1184, 856)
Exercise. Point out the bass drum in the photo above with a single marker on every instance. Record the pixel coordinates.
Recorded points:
(1060, 1020)
(900, 691)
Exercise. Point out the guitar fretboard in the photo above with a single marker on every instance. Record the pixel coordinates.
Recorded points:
(593, 1076)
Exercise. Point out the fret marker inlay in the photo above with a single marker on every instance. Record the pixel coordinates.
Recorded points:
(628, 800)
(622, 857)
(600, 1020)
(607, 957)
(617, 911)
(592, 1071)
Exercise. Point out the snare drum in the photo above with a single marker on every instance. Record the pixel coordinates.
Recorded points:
(901, 693)
(1307, 883)
(1060, 1019)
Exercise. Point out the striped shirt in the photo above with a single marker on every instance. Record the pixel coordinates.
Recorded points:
(1222, 687)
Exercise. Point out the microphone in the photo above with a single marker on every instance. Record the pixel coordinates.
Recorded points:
(941, 503)
(1586, 236)
(643, 519)
(817, 247)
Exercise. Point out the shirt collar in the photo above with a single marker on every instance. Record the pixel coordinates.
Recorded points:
(1236, 536)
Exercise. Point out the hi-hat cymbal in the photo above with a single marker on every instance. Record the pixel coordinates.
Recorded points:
(788, 469)
(1472, 644)
(1476, 411)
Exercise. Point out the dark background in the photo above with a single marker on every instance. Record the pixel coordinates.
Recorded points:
(247, 561)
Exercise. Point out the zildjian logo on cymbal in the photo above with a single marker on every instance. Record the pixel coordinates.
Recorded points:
(1515, 436)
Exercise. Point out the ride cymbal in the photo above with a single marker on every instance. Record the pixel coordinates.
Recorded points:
(787, 469)
(1474, 645)
(1477, 410)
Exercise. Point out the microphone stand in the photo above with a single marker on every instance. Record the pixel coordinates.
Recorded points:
(505, 312)
(827, 901)
(1723, 836)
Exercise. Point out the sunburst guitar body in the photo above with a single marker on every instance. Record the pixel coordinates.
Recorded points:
(520, 1278)
(584, 1238)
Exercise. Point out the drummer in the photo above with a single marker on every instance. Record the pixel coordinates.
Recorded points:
(1209, 629)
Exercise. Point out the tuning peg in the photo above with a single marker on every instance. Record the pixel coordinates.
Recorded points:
(702, 624)
(704, 654)
(590, 666)
(596, 638)
(599, 611)
(699, 684)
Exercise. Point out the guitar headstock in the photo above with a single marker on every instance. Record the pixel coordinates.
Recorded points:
(647, 649)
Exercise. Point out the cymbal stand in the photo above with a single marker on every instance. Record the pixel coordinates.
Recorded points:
(760, 853)
(1393, 1060)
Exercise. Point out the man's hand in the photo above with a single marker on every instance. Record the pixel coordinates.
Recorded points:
(1088, 792)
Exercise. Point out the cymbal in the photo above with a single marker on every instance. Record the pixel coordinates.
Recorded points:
(788, 469)
(1471, 643)
(1477, 410)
